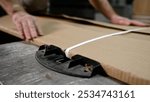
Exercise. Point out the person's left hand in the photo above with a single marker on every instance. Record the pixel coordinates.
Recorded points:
(116, 19)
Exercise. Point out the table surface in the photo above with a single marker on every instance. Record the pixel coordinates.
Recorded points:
(18, 66)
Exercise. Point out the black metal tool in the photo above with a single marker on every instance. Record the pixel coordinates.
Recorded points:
(54, 58)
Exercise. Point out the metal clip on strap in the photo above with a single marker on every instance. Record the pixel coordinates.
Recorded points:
(55, 59)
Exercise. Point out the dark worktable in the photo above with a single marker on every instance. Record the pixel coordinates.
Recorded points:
(19, 66)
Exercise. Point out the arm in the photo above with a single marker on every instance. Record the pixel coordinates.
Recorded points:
(11, 6)
(24, 22)
(104, 7)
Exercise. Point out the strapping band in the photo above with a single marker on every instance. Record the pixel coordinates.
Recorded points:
(98, 38)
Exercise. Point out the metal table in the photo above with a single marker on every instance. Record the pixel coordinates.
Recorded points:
(18, 66)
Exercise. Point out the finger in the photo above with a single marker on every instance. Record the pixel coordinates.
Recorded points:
(20, 29)
(18, 26)
(26, 30)
(121, 22)
(124, 22)
(32, 28)
(137, 23)
(38, 30)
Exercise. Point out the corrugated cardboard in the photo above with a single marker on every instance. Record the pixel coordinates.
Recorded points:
(124, 57)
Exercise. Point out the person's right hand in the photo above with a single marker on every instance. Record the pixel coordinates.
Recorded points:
(116, 19)
(26, 25)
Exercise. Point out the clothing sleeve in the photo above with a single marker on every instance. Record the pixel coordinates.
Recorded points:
(34, 5)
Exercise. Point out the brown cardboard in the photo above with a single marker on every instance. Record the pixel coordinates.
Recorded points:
(48, 25)
(141, 10)
(124, 57)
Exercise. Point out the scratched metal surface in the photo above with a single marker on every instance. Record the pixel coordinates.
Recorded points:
(18, 66)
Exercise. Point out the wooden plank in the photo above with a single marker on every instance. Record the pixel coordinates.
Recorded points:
(124, 57)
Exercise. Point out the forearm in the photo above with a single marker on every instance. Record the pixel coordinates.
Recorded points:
(11, 6)
(104, 7)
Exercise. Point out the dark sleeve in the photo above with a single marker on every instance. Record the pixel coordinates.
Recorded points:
(79, 8)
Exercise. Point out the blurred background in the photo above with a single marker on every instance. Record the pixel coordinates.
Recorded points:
(135, 9)
(82, 8)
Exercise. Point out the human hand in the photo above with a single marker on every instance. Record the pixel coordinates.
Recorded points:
(116, 19)
(25, 24)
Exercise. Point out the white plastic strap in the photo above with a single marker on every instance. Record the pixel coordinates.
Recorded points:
(101, 37)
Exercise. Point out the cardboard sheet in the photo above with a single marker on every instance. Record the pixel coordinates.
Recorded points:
(124, 57)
